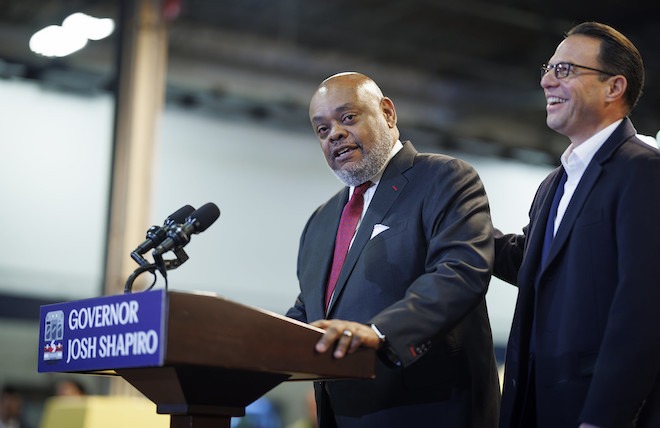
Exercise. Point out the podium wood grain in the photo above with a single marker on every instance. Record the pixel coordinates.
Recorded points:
(221, 356)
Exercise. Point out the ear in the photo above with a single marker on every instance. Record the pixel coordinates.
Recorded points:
(387, 107)
(616, 88)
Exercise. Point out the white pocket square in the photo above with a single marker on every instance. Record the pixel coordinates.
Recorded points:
(378, 229)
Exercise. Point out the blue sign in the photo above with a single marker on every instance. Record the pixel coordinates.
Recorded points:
(103, 333)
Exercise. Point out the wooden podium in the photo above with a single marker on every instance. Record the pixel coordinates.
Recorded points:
(219, 356)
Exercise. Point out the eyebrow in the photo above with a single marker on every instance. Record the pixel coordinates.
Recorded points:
(338, 109)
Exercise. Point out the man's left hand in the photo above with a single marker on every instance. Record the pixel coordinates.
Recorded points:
(346, 336)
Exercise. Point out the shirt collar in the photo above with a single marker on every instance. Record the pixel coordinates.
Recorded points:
(576, 158)
(395, 149)
(376, 178)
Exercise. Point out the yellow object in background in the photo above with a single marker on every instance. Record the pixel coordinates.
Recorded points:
(102, 412)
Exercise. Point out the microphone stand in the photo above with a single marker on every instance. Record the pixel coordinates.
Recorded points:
(161, 265)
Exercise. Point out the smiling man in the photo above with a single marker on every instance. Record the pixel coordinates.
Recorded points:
(584, 348)
(399, 260)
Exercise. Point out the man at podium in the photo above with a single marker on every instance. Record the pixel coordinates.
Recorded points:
(399, 260)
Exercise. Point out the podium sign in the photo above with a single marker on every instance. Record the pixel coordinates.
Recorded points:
(201, 358)
(104, 333)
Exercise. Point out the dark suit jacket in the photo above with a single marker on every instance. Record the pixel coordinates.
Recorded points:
(422, 282)
(597, 336)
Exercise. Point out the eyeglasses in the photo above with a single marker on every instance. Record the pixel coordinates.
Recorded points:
(562, 69)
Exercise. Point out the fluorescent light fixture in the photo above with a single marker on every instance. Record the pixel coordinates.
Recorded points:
(71, 36)
(90, 27)
(56, 41)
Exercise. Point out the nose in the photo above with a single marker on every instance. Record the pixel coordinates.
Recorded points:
(337, 133)
(548, 79)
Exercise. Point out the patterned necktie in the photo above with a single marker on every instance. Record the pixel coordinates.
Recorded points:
(350, 217)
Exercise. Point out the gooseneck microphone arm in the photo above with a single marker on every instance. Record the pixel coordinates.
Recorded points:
(149, 267)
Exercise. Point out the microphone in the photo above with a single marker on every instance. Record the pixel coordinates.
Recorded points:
(156, 234)
(178, 235)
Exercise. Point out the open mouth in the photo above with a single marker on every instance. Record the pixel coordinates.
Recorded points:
(342, 151)
(555, 100)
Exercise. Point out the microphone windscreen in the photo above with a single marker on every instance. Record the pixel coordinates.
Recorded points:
(180, 215)
(205, 216)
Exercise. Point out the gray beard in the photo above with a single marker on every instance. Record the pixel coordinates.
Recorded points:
(372, 163)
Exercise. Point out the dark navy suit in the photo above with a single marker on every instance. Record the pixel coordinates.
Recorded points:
(597, 317)
(422, 281)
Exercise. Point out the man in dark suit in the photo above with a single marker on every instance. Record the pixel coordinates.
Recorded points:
(584, 348)
(414, 280)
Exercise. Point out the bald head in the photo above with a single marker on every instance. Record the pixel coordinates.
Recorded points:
(356, 84)
(355, 124)
(350, 79)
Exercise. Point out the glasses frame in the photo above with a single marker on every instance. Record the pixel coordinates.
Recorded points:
(568, 66)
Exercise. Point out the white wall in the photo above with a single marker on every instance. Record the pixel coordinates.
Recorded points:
(54, 175)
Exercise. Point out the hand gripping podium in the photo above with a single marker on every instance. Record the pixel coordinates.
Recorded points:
(201, 358)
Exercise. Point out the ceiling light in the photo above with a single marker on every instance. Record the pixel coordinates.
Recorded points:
(71, 36)
(56, 41)
(90, 27)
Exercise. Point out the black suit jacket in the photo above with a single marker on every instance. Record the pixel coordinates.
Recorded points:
(422, 281)
(597, 334)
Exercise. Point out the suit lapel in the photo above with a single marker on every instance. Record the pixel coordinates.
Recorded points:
(324, 244)
(536, 233)
(390, 186)
(623, 132)
(587, 183)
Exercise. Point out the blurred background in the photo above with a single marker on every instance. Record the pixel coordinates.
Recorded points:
(231, 127)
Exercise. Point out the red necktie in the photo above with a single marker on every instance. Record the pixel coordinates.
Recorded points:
(350, 217)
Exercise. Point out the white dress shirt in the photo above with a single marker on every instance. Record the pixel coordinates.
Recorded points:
(369, 193)
(575, 161)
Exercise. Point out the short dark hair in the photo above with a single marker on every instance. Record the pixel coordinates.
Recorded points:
(618, 55)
